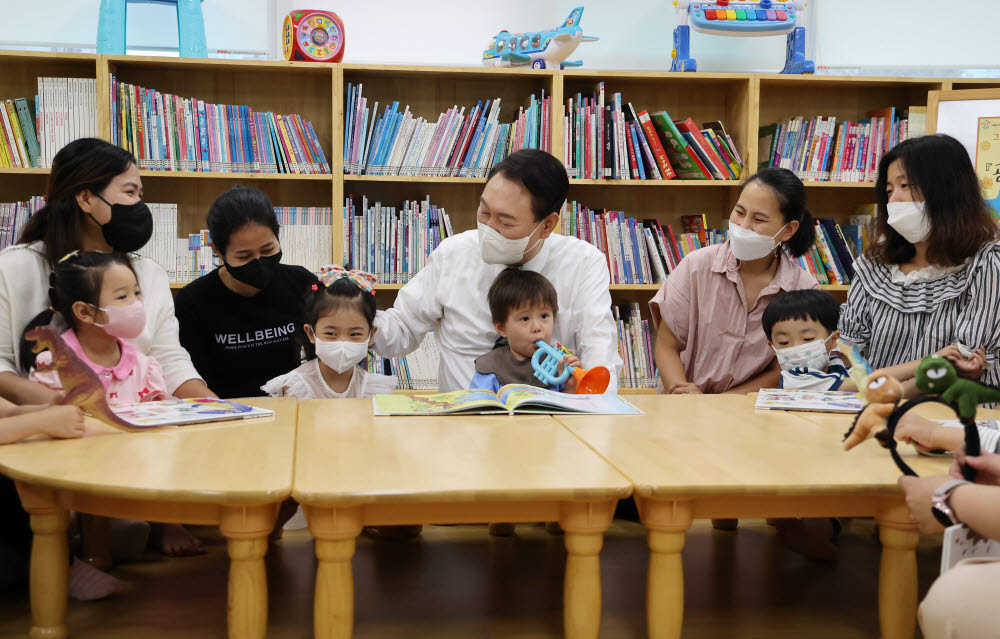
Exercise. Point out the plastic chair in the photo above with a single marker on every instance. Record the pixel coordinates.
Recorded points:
(190, 26)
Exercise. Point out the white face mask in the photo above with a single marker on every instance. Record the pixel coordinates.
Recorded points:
(341, 356)
(748, 245)
(809, 355)
(497, 249)
(910, 220)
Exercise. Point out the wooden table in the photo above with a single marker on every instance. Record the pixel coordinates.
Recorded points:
(231, 474)
(700, 456)
(353, 470)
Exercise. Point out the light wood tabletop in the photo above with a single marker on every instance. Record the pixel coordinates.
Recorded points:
(701, 456)
(232, 474)
(353, 469)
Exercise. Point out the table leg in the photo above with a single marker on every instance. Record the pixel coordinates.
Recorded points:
(584, 524)
(667, 523)
(897, 586)
(246, 529)
(334, 530)
(49, 562)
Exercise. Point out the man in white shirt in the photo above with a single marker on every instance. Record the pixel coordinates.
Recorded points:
(518, 211)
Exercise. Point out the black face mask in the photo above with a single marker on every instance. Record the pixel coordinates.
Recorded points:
(258, 272)
(130, 226)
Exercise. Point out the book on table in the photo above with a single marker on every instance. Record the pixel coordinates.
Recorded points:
(179, 412)
(511, 399)
(806, 400)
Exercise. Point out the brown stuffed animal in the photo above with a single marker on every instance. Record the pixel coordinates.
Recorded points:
(883, 392)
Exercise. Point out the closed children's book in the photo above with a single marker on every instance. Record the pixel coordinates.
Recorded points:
(810, 401)
(177, 412)
(511, 399)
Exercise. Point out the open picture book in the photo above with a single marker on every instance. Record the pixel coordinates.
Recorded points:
(178, 412)
(806, 400)
(511, 399)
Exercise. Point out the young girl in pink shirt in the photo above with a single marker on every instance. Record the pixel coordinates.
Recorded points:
(98, 297)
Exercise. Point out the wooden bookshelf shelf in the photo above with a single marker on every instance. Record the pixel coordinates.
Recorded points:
(15, 171)
(743, 102)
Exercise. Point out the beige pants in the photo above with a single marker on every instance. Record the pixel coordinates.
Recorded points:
(961, 604)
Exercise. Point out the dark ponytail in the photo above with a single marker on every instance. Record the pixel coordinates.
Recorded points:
(792, 200)
(77, 277)
(87, 164)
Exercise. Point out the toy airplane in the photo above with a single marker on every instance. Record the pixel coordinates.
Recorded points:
(540, 49)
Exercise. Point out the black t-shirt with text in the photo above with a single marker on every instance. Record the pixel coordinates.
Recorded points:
(239, 343)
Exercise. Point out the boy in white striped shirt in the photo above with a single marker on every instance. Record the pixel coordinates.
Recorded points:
(801, 327)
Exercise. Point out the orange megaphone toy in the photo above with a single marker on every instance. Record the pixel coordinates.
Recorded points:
(545, 361)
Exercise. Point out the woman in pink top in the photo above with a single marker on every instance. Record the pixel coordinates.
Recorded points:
(708, 312)
(98, 297)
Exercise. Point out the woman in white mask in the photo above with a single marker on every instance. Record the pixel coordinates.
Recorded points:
(930, 280)
(708, 313)
(339, 327)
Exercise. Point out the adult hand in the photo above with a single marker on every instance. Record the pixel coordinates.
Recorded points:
(64, 421)
(684, 389)
(919, 491)
(971, 367)
(987, 466)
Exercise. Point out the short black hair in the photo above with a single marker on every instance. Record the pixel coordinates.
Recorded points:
(938, 168)
(324, 300)
(515, 288)
(792, 200)
(803, 304)
(542, 174)
(236, 208)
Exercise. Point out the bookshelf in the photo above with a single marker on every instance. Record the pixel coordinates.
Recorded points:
(743, 102)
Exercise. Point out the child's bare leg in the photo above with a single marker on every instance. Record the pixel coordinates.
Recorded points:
(173, 540)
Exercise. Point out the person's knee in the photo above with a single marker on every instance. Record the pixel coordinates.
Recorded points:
(959, 605)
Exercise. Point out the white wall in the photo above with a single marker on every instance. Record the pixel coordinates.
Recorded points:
(634, 35)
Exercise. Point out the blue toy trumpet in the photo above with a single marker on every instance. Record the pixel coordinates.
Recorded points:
(545, 361)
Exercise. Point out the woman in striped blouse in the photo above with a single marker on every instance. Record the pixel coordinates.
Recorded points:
(929, 282)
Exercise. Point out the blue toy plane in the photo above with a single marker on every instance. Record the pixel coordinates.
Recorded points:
(540, 49)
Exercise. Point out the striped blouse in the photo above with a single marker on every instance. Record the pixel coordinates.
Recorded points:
(895, 323)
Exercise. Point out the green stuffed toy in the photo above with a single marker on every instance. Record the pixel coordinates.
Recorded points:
(937, 376)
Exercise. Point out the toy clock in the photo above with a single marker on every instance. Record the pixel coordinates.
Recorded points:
(313, 36)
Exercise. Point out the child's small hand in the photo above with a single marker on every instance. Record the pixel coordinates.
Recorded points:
(571, 360)
(63, 422)
(914, 428)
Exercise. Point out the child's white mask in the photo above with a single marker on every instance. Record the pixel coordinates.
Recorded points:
(809, 355)
(341, 356)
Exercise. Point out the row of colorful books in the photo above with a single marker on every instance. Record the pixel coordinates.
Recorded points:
(638, 252)
(13, 217)
(613, 141)
(821, 149)
(306, 238)
(635, 345)
(416, 371)
(837, 246)
(392, 243)
(64, 110)
(458, 144)
(168, 132)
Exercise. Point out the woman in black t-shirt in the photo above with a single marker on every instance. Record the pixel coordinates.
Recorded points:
(239, 321)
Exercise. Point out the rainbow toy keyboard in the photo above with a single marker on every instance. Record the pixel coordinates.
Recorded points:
(743, 18)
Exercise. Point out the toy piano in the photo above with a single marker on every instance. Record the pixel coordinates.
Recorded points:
(740, 18)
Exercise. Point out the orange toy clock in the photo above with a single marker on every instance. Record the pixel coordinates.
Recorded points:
(313, 36)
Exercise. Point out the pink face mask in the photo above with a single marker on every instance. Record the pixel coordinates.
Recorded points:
(125, 322)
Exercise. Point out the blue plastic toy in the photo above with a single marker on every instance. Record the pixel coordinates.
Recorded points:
(546, 360)
(741, 18)
(540, 49)
(190, 26)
